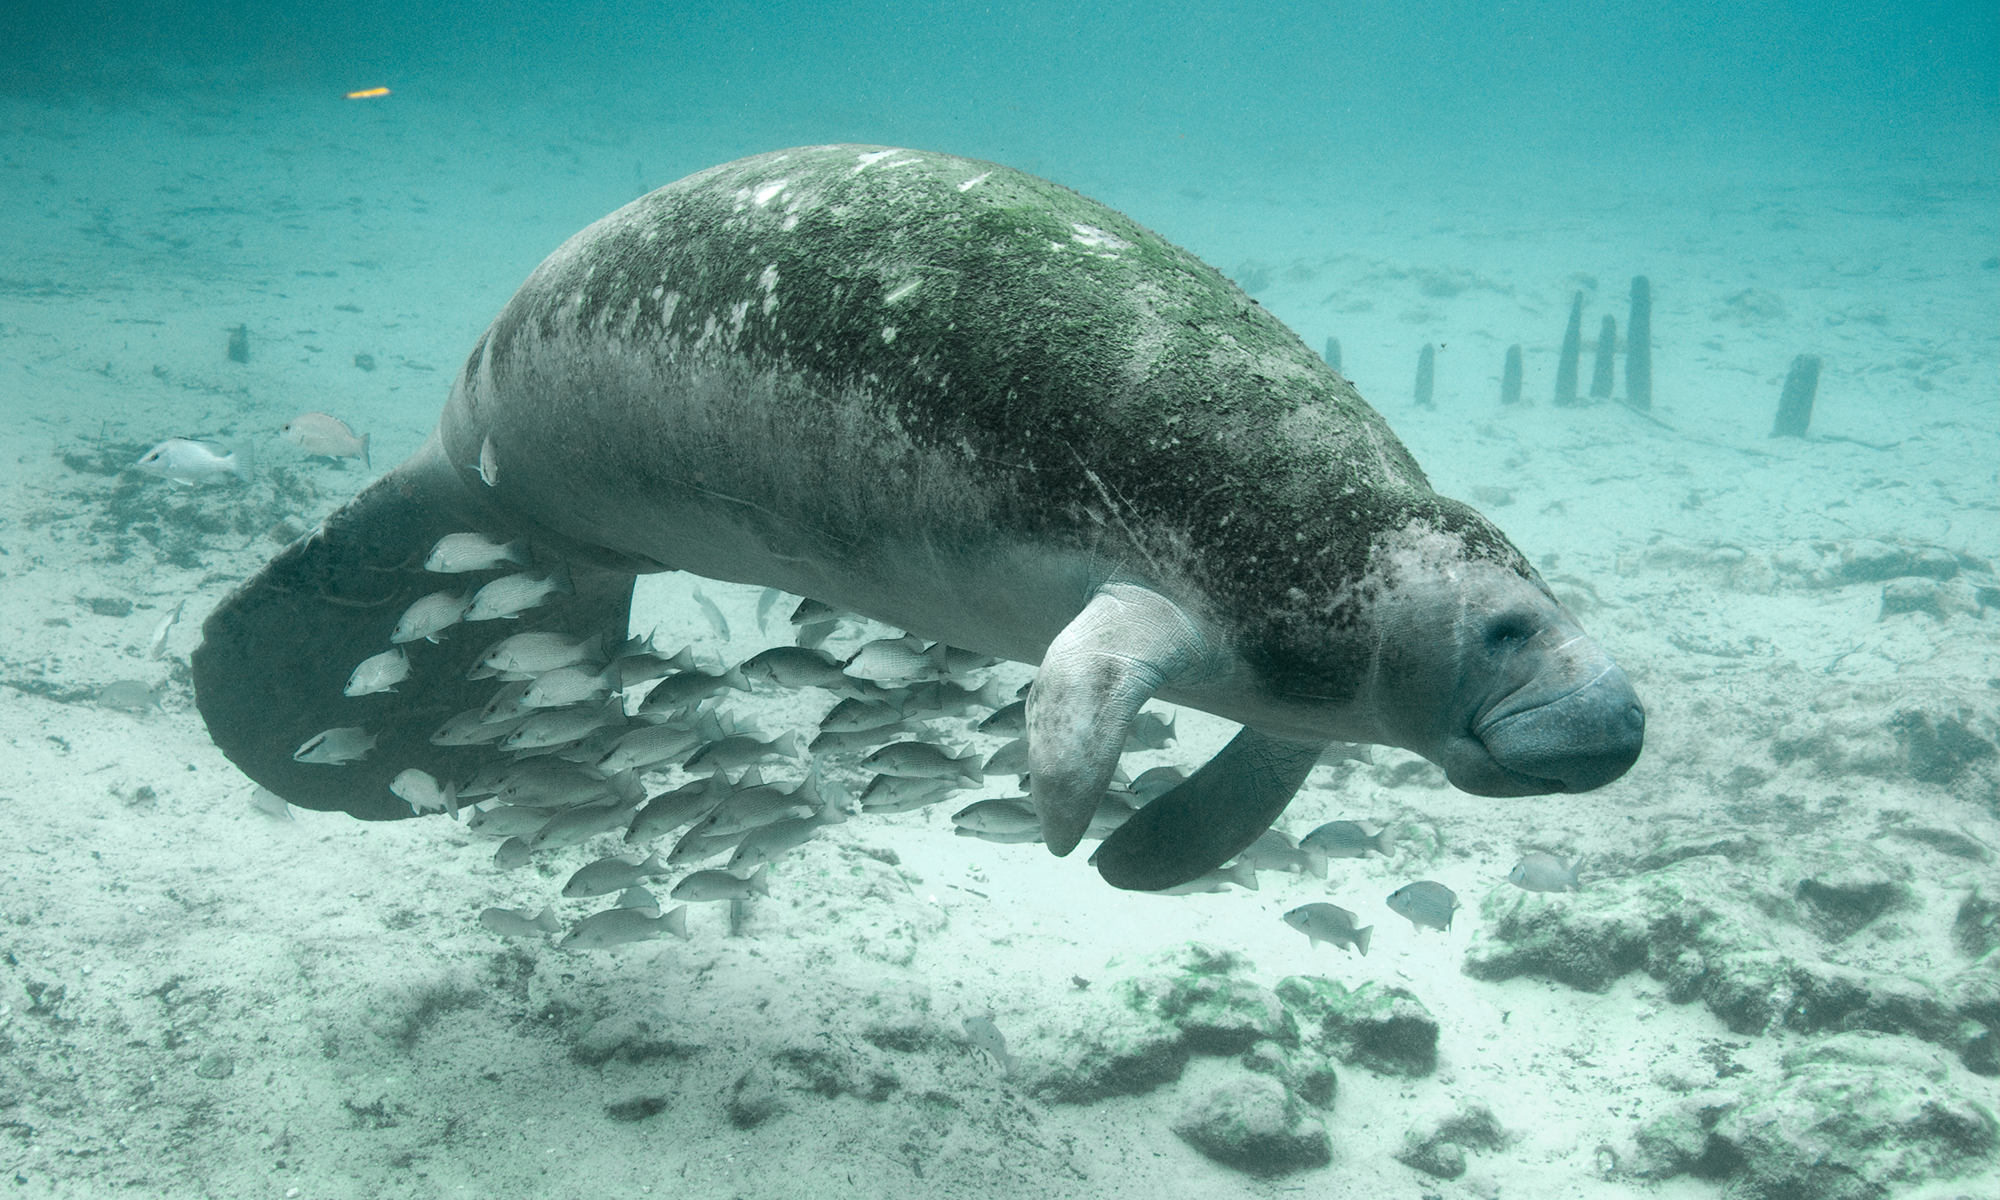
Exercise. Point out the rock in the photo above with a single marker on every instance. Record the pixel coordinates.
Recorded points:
(1303, 1069)
(215, 1065)
(753, 1098)
(1141, 1030)
(1852, 891)
(1680, 1141)
(1855, 1115)
(1437, 1146)
(1216, 1014)
(1744, 938)
(1910, 594)
(1866, 560)
(1446, 1160)
(627, 1038)
(1386, 1029)
(1256, 1125)
(637, 1108)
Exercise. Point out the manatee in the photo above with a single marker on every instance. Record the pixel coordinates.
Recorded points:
(974, 405)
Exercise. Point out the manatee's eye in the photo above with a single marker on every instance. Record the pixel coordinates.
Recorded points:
(1508, 630)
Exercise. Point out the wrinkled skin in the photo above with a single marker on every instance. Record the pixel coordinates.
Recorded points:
(974, 405)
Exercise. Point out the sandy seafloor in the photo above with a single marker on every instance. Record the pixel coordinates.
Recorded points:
(154, 920)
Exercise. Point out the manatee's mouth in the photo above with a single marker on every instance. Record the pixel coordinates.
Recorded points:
(1530, 745)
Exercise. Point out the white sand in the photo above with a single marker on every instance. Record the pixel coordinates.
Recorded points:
(181, 922)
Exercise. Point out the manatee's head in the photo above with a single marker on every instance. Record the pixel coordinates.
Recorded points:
(1464, 656)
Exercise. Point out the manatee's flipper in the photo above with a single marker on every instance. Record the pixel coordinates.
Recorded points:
(1211, 817)
(1099, 670)
(276, 655)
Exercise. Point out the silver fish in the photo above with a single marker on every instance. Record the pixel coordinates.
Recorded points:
(617, 926)
(456, 553)
(549, 784)
(157, 647)
(1276, 851)
(333, 747)
(949, 699)
(721, 885)
(534, 653)
(687, 688)
(638, 897)
(1007, 816)
(188, 462)
(489, 463)
(1155, 783)
(1425, 903)
(1112, 813)
(765, 603)
(1329, 923)
(608, 875)
(648, 747)
(1539, 872)
(1359, 752)
(1010, 759)
(772, 842)
(1149, 731)
(925, 760)
(270, 803)
(815, 612)
(750, 808)
(575, 826)
(318, 433)
(835, 744)
(1242, 874)
(796, 667)
(520, 922)
(561, 726)
(130, 695)
(471, 728)
(960, 662)
(378, 673)
(897, 793)
(695, 846)
(1013, 838)
(430, 616)
(742, 750)
(644, 666)
(713, 614)
(512, 854)
(511, 595)
(859, 716)
(508, 820)
(1347, 839)
(984, 1034)
(1008, 721)
(573, 684)
(905, 659)
(669, 811)
(422, 792)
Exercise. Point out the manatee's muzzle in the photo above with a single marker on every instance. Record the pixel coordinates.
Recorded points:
(1573, 743)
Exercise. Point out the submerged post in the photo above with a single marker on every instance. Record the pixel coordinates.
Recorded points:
(1332, 353)
(1426, 374)
(1572, 351)
(1639, 346)
(1607, 348)
(1510, 377)
(1795, 405)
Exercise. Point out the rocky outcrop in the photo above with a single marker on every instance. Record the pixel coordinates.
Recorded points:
(1855, 1116)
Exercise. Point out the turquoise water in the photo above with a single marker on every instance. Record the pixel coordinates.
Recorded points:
(205, 999)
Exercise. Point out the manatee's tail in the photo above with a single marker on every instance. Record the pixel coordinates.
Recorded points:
(276, 655)
(1212, 817)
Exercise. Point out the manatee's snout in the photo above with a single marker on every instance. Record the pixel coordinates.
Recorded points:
(1577, 741)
